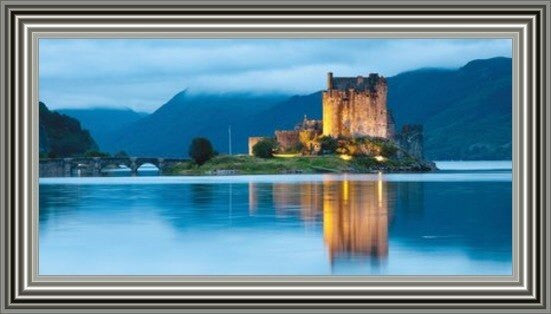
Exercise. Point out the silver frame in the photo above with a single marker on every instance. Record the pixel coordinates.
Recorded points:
(23, 23)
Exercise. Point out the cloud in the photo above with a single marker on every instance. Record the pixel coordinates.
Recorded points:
(144, 73)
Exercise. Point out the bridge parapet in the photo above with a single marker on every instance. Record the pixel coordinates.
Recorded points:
(55, 167)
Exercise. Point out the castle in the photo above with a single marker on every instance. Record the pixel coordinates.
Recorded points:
(352, 107)
(356, 106)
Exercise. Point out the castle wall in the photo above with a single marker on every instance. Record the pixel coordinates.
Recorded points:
(304, 136)
(287, 140)
(356, 113)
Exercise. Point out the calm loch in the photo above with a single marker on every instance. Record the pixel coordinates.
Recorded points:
(454, 222)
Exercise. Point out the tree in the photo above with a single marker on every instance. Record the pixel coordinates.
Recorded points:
(95, 153)
(388, 150)
(201, 150)
(121, 154)
(328, 144)
(264, 149)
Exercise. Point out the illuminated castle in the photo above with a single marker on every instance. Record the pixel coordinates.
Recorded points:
(352, 107)
(356, 107)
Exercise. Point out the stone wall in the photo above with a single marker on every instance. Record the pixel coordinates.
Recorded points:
(356, 107)
(53, 168)
(288, 140)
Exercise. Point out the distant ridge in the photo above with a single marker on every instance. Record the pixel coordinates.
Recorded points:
(102, 122)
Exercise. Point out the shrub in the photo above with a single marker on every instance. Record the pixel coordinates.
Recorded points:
(297, 148)
(264, 149)
(121, 154)
(95, 153)
(328, 144)
(201, 150)
(388, 150)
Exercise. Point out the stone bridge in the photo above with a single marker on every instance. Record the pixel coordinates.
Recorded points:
(59, 167)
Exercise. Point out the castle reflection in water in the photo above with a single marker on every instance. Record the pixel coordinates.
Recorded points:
(355, 214)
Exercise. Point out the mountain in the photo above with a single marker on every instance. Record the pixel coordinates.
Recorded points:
(104, 122)
(466, 114)
(61, 135)
(169, 130)
(283, 115)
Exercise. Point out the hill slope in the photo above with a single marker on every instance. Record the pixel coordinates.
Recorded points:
(169, 130)
(103, 122)
(61, 135)
(466, 113)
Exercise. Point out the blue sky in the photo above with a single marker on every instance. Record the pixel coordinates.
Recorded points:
(142, 74)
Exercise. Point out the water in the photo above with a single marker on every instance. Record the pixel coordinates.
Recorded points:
(475, 165)
(449, 223)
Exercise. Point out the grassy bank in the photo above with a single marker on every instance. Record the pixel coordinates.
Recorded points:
(240, 164)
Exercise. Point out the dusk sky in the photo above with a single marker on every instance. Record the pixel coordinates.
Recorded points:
(142, 74)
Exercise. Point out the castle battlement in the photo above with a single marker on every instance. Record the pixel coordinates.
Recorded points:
(358, 84)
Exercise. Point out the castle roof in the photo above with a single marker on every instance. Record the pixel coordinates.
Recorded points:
(358, 83)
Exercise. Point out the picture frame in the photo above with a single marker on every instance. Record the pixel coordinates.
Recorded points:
(25, 22)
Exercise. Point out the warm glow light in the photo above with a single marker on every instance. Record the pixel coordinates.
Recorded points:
(380, 158)
(345, 190)
(286, 155)
(345, 157)
(380, 189)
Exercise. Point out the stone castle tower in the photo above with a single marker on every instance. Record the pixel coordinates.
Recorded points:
(356, 106)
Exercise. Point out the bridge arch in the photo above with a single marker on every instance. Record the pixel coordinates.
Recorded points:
(148, 166)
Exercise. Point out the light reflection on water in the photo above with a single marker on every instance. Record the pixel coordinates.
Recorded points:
(327, 225)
